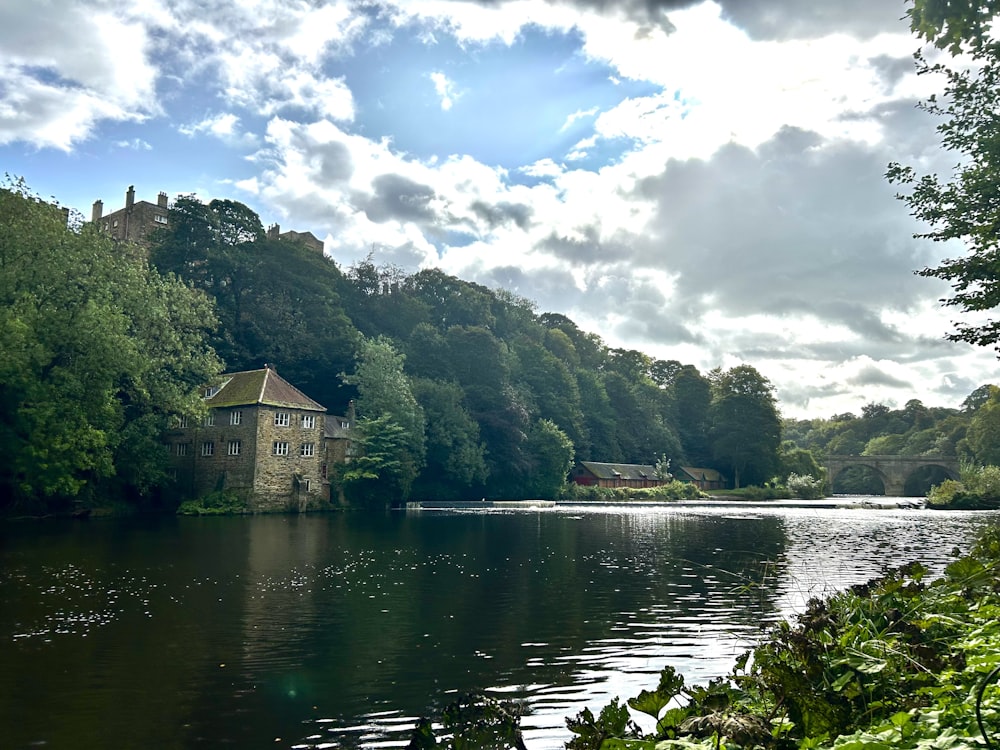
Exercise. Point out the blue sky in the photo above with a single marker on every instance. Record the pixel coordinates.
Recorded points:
(699, 180)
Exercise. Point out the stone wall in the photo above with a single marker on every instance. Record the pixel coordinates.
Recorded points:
(291, 481)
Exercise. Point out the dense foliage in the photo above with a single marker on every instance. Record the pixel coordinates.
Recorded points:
(97, 351)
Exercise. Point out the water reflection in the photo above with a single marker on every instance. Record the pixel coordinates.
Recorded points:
(340, 630)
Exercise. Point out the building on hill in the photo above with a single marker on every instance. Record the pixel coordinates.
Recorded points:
(134, 223)
(307, 239)
(594, 473)
(703, 479)
(263, 439)
(139, 219)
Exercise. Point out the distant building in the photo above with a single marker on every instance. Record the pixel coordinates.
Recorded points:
(262, 438)
(703, 479)
(307, 239)
(134, 223)
(139, 219)
(594, 473)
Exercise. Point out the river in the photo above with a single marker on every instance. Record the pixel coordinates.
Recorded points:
(339, 630)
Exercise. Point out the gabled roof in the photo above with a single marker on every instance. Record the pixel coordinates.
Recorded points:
(620, 471)
(332, 427)
(264, 387)
(703, 475)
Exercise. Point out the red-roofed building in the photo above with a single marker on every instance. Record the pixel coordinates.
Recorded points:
(262, 438)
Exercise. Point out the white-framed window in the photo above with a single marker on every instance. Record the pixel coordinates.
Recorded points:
(344, 424)
(159, 218)
(182, 421)
(182, 449)
(307, 450)
(208, 448)
(280, 448)
(211, 391)
(235, 417)
(234, 447)
(209, 419)
(282, 419)
(308, 421)
(307, 484)
(115, 223)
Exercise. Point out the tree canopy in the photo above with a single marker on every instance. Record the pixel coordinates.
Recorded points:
(97, 351)
(962, 207)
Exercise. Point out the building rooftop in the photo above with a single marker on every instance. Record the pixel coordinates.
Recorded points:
(262, 386)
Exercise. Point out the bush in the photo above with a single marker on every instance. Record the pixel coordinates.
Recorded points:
(221, 503)
(675, 490)
(806, 487)
(764, 493)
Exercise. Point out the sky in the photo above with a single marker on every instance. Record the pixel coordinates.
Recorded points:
(699, 181)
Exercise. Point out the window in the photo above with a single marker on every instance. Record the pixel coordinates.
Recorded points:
(280, 448)
(182, 421)
(209, 419)
(159, 218)
(308, 421)
(182, 449)
(115, 223)
(235, 417)
(344, 424)
(307, 450)
(282, 419)
(211, 391)
(307, 484)
(234, 447)
(208, 448)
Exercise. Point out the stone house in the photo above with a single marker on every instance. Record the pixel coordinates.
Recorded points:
(591, 473)
(134, 223)
(261, 438)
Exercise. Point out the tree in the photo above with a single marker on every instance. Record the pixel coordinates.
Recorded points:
(97, 351)
(984, 431)
(962, 207)
(551, 456)
(385, 399)
(455, 455)
(746, 427)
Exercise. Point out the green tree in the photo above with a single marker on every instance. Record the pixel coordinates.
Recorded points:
(455, 455)
(97, 350)
(551, 456)
(385, 399)
(746, 427)
(963, 206)
(984, 431)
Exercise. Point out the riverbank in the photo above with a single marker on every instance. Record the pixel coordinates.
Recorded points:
(852, 501)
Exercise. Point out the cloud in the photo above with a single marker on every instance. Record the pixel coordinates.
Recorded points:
(65, 70)
(445, 90)
(225, 126)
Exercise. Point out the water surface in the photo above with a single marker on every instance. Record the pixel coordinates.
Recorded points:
(338, 630)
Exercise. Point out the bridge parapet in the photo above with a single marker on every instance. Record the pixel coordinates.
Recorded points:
(893, 471)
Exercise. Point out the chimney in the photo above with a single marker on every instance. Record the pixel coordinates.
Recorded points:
(161, 200)
(97, 211)
(130, 196)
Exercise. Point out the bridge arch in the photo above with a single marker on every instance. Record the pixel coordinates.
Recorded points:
(893, 471)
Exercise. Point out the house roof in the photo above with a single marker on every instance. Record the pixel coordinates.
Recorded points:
(619, 471)
(264, 387)
(702, 475)
(332, 427)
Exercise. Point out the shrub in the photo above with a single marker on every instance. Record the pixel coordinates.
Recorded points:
(220, 503)
(805, 486)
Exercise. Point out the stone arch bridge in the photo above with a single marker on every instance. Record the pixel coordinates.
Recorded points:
(892, 470)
